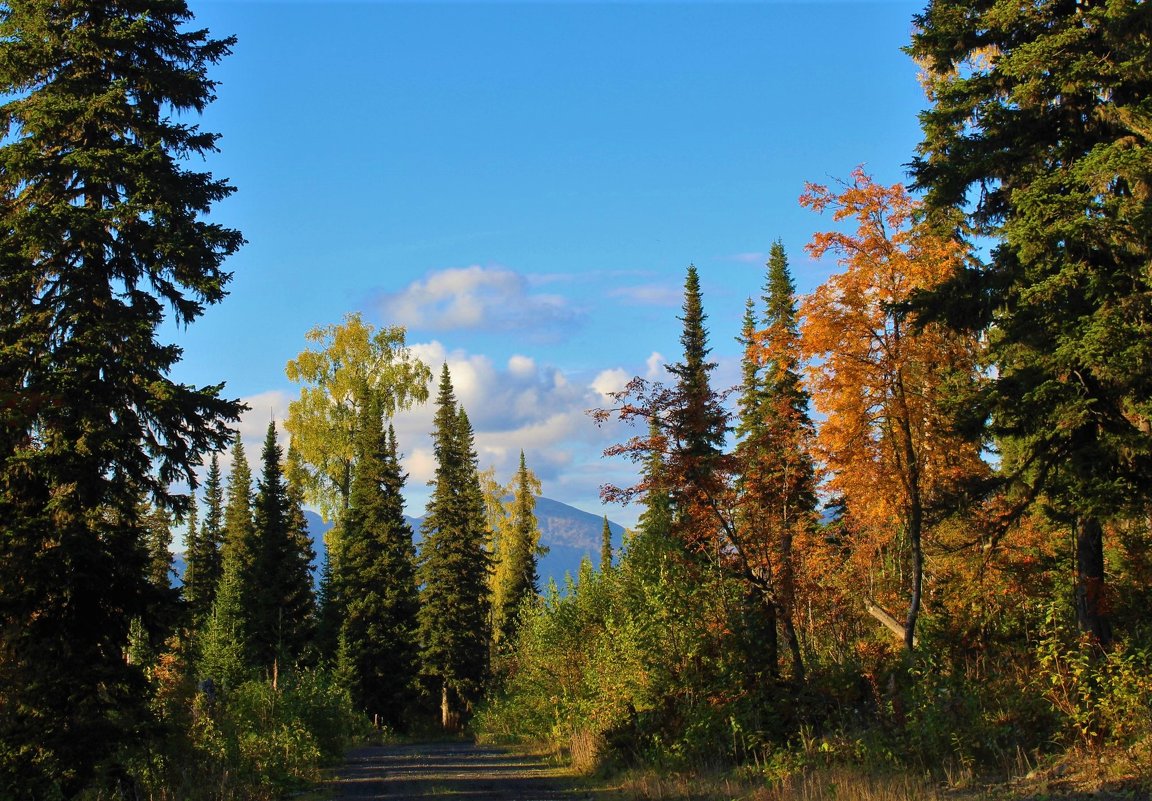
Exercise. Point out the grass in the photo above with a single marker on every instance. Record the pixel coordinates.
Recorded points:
(1114, 774)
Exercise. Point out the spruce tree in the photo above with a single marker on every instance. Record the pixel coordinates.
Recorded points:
(202, 551)
(329, 617)
(164, 607)
(377, 577)
(301, 538)
(777, 476)
(223, 647)
(454, 621)
(197, 592)
(281, 613)
(105, 232)
(695, 425)
(656, 520)
(239, 530)
(191, 540)
(238, 554)
(158, 526)
(1037, 139)
(605, 547)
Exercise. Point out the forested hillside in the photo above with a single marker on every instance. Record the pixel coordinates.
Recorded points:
(913, 538)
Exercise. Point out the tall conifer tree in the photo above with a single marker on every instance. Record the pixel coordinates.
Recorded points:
(238, 555)
(656, 520)
(377, 576)
(695, 425)
(105, 232)
(280, 582)
(1037, 137)
(519, 577)
(239, 531)
(223, 646)
(454, 620)
(212, 530)
(605, 546)
(201, 571)
(777, 475)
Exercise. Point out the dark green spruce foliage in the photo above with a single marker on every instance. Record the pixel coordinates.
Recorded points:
(202, 551)
(222, 644)
(454, 619)
(777, 476)
(104, 233)
(161, 565)
(165, 606)
(226, 647)
(606, 546)
(191, 540)
(751, 392)
(282, 608)
(1039, 140)
(656, 519)
(377, 577)
(239, 530)
(522, 580)
(695, 423)
(329, 616)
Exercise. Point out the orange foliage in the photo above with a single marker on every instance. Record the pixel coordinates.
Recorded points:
(880, 382)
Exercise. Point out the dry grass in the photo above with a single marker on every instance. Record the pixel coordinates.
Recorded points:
(1112, 775)
(585, 750)
(827, 784)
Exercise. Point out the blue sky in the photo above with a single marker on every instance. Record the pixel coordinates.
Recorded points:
(523, 185)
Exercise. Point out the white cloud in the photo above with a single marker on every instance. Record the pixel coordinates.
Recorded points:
(476, 297)
(611, 381)
(515, 404)
(521, 366)
(521, 404)
(262, 409)
(655, 364)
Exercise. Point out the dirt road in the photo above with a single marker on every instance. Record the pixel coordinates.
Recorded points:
(451, 772)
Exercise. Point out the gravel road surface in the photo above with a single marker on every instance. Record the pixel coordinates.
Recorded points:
(451, 772)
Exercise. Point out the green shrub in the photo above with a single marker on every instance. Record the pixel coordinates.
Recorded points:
(1105, 698)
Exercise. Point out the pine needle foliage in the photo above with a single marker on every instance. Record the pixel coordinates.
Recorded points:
(517, 577)
(283, 607)
(454, 618)
(204, 542)
(377, 578)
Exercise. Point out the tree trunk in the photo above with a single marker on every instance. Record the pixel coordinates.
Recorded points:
(449, 717)
(915, 526)
(1090, 607)
(761, 603)
(763, 624)
(794, 648)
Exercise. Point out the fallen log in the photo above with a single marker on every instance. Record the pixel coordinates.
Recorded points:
(891, 623)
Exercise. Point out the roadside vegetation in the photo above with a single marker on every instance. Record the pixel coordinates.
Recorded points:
(908, 556)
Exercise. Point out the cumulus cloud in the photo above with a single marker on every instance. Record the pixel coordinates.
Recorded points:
(517, 404)
(521, 365)
(263, 408)
(471, 298)
(655, 364)
(611, 381)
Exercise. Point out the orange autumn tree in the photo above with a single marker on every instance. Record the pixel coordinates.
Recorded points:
(882, 383)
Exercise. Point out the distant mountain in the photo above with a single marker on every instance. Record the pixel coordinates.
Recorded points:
(568, 533)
